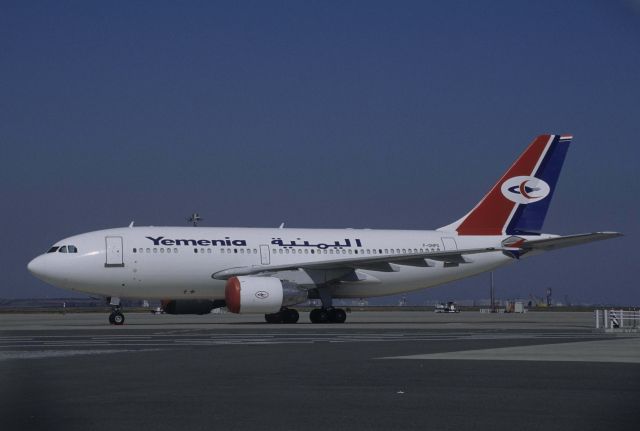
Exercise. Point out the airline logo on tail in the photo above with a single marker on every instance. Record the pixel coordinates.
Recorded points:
(525, 189)
(517, 204)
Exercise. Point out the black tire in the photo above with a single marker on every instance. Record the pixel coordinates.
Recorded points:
(290, 316)
(111, 318)
(273, 318)
(319, 315)
(118, 318)
(337, 315)
(313, 315)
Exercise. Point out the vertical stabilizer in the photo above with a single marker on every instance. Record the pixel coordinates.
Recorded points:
(518, 202)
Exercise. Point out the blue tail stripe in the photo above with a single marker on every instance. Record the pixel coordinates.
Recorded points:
(528, 219)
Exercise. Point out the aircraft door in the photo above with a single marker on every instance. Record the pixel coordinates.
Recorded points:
(265, 257)
(449, 243)
(114, 252)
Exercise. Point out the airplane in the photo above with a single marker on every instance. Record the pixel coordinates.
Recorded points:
(269, 270)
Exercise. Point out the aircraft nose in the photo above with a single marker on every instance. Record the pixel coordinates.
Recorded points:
(38, 267)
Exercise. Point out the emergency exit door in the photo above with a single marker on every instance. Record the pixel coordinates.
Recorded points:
(114, 252)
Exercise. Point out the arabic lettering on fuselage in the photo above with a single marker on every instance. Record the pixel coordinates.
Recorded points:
(298, 242)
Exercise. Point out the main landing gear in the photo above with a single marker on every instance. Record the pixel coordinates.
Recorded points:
(116, 317)
(285, 315)
(327, 315)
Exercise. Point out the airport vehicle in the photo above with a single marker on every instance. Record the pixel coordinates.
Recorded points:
(449, 307)
(266, 271)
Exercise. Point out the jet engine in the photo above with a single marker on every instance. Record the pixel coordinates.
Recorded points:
(190, 306)
(247, 294)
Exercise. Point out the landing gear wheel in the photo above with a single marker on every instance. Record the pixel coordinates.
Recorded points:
(117, 317)
(319, 315)
(273, 318)
(290, 315)
(111, 318)
(337, 315)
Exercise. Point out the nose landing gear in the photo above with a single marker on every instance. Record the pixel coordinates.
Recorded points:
(116, 317)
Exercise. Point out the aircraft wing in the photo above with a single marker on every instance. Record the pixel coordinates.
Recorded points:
(549, 244)
(372, 263)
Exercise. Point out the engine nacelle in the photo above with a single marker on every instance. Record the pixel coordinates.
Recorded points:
(248, 294)
(190, 306)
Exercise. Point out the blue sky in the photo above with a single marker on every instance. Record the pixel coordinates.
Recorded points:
(319, 114)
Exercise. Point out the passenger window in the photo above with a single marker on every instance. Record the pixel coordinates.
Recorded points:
(63, 249)
(208, 251)
(134, 249)
(148, 250)
(255, 251)
(350, 251)
(161, 249)
(52, 249)
(168, 250)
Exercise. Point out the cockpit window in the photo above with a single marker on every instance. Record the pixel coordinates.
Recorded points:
(53, 249)
(72, 249)
(63, 249)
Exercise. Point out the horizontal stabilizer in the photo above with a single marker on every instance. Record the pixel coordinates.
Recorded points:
(549, 244)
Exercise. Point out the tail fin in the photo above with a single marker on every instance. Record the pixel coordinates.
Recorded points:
(517, 204)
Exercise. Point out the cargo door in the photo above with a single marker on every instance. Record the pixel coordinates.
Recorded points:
(449, 243)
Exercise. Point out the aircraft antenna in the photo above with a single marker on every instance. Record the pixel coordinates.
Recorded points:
(195, 218)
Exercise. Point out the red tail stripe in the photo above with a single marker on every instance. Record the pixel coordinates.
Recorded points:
(493, 211)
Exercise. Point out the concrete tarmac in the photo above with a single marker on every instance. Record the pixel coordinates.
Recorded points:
(380, 370)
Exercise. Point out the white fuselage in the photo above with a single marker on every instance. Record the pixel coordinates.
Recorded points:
(179, 262)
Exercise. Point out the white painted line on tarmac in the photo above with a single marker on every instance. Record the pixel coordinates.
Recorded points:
(41, 354)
